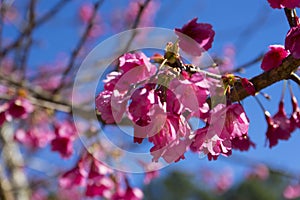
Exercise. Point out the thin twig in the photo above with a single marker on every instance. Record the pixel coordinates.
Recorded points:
(28, 40)
(79, 46)
(248, 64)
(56, 8)
(28, 30)
(294, 77)
(136, 23)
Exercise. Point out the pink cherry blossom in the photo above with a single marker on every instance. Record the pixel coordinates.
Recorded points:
(141, 101)
(295, 116)
(292, 192)
(210, 143)
(133, 194)
(273, 58)
(4, 116)
(260, 171)
(242, 143)
(150, 175)
(191, 94)
(135, 67)
(99, 186)
(172, 141)
(86, 12)
(224, 181)
(96, 31)
(20, 108)
(278, 126)
(110, 108)
(236, 122)
(71, 193)
(75, 176)
(111, 80)
(292, 41)
(284, 4)
(194, 38)
(155, 123)
(34, 137)
(65, 133)
(227, 127)
(91, 173)
(228, 60)
(131, 60)
(248, 86)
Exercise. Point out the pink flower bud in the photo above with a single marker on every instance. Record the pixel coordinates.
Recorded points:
(248, 86)
(273, 58)
(292, 41)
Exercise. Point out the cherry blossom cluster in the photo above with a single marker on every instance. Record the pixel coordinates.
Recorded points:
(280, 126)
(17, 108)
(160, 97)
(38, 132)
(99, 180)
(274, 57)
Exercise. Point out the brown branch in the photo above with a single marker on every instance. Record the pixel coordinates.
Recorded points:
(284, 71)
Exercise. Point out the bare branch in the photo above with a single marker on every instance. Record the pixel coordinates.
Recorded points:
(79, 46)
(29, 29)
(28, 42)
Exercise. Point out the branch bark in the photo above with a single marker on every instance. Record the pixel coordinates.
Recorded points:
(284, 71)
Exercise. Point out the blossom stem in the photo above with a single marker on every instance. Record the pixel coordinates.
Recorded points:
(162, 64)
(283, 90)
(294, 77)
(260, 104)
(211, 75)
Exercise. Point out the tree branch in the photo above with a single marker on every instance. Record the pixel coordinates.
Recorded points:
(78, 47)
(284, 71)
